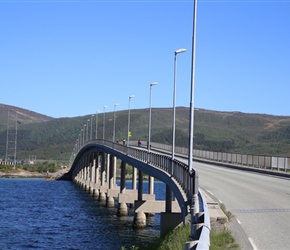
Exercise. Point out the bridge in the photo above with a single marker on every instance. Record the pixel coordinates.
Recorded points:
(94, 168)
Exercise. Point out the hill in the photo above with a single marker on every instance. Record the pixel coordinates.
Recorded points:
(50, 138)
(24, 116)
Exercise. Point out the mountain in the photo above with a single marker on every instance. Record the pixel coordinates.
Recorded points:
(53, 139)
(24, 116)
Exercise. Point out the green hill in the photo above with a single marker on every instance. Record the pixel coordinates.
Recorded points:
(54, 139)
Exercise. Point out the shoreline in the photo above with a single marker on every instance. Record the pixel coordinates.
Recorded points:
(27, 174)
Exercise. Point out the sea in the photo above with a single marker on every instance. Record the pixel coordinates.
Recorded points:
(40, 214)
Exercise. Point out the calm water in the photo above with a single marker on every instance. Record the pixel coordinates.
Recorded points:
(39, 214)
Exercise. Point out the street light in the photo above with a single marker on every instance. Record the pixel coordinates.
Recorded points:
(193, 197)
(104, 122)
(174, 98)
(128, 134)
(149, 134)
(114, 127)
(84, 134)
(97, 113)
(87, 132)
(91, 133)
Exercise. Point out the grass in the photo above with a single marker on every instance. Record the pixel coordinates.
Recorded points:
(222, 240)
(175, 240)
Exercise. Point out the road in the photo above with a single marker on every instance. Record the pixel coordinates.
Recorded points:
(260, 203)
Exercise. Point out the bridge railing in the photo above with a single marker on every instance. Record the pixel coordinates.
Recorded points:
(177, 169)
(279, 163)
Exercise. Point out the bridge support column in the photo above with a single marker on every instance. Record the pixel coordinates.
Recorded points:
(103, 169)
(151, 185)
(93, 175)
(139, 217)
(169, 221)
(98, 166)
(89, 178)
(140, 185)
(108, 168)
(123, 177)
(122, 207)
(134, 176)
(110, 199)
(168, 201)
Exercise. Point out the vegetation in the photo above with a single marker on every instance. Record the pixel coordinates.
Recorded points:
(222, 240)
(43, 167)
(49, 138)
(175, 240)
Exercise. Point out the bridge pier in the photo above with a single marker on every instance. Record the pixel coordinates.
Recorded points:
(95, 172)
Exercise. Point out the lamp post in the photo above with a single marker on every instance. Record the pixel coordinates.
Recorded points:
(104, 114)
(91, 133)
(128, 134)
(79, 142)
(114, 127)
(193, 195)
(87, 131)
(84, 134)
(174, 100)
(149, 133)
(97, 113)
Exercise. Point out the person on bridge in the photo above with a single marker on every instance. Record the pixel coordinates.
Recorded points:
(139, 143)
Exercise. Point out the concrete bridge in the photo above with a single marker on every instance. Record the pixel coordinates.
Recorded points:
(94, 169)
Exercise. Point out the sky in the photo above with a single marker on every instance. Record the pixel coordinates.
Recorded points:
(71, 58)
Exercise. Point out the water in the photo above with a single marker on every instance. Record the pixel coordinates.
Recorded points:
(39, 214)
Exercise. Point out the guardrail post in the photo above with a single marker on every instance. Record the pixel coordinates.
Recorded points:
(194, 209)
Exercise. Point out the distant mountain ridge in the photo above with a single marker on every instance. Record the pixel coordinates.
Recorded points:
(54, 138)
(24, 116)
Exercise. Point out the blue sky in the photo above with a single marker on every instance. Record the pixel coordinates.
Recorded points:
(71, 58)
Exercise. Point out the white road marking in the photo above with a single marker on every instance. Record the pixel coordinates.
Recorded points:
(209, 192)
(253, 244)
(239, 221)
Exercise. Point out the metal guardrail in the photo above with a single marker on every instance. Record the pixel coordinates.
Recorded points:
(258, 161)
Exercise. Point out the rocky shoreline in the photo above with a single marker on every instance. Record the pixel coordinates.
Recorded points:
(27, 174)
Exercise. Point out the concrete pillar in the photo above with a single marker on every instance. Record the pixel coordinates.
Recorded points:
(151, 185)
(98, 166)
(102, 196)
(169, 221)
(115, 170)
(93, 176)
(134, 175)
(139, 220)
(122, 209)
(140, 185)
(97, 194)
(123, 177)
(110, 202)
(111, 171)
(108, 167)
(168, 201)
(103, 169)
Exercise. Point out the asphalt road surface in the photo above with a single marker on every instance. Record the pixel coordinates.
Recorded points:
(260, 203)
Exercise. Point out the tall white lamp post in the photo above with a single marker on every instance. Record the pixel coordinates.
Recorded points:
(104, 124)
(128, 134)
(149, 133)
(114, 127)
(174, 100)
(97, 113)
(91, 132)
(84, 134)
(87, 131)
